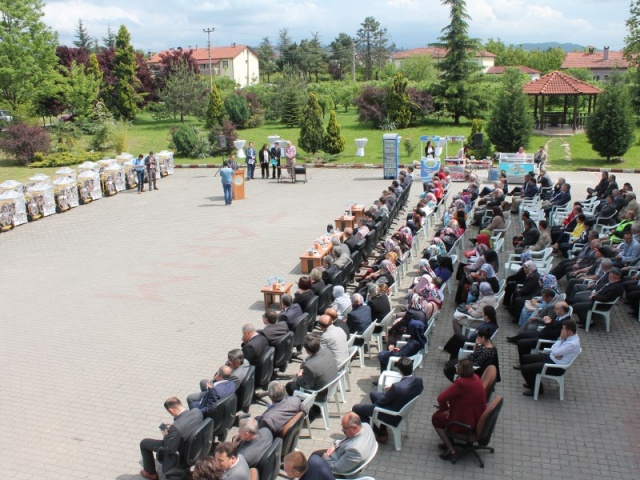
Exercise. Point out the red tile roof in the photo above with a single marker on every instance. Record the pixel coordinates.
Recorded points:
(558, 83)
(434, 52)
(498, 70)
(201, 55)
(594, 60)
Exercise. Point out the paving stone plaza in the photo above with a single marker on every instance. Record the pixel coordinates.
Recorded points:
(112, 307)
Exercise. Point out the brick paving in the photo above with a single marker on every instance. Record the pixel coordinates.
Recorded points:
(113, 307)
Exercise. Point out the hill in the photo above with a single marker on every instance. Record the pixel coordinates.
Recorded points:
(567, 47)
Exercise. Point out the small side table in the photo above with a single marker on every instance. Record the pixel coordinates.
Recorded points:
(273, 294)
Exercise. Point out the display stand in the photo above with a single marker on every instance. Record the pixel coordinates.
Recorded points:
(390, 155)
(429, 165)
(237, 185)
(516, 165)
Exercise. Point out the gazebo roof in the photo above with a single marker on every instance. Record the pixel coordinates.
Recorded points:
(558, 83)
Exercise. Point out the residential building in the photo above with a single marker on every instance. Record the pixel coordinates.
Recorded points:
(499, 70)
(601, 63)
(238, 62)
(483, 58)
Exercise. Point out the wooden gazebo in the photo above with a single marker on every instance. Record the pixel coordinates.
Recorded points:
(558, 84)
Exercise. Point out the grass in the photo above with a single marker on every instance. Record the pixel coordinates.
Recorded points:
(148, 134)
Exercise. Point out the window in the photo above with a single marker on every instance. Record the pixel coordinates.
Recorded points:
(225, 64)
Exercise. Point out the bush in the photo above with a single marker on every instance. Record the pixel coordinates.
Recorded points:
(333, 141)
(184, 138)
(370, 104)
(64, 159)
(227, 129)
(22, 141)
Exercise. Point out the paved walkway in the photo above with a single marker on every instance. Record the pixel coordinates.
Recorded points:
(113, 307)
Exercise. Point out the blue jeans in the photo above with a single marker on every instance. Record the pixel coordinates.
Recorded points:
(140, 174)
(250, 169)
(227, 193)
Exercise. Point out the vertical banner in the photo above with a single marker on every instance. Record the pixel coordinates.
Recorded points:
(390, 155)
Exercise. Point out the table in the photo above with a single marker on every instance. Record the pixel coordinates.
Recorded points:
(345, 221)
(312, 258)
(271, 293)
(357, 211)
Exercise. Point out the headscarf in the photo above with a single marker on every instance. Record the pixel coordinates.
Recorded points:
(548, 280)
(341, 300)
(485, 289)
(430, 197)
(423, 267)
(488, 269)
(416, 302)
(389, 245)
(416, 332)
(408, 233)
(530, 264)
(390, 267)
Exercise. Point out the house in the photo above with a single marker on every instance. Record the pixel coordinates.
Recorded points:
(499, 70)
(483, 58)
(602, 64)
(238, 62)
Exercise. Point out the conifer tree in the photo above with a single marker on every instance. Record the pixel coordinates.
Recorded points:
(123, 101)
(311, 131)
(333, 141)
(215, 109)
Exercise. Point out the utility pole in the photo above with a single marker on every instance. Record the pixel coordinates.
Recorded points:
(353, 61)
(208, 32)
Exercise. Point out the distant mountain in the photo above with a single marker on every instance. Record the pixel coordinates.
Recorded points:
(567, 47)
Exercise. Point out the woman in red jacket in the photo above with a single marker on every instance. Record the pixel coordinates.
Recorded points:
(464, 401)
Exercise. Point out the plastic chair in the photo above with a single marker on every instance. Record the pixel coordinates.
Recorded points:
(283, 350)
(245, 390)
(269, 464)
(345, 365)
(604, 310)
(223, 414)
(556, 377)
(194, 447)
(290, 433)
(366, 338)
(307, 403)
(332, 392)
(385, 323)
(360, 468)
(396, 430)
(264, 368)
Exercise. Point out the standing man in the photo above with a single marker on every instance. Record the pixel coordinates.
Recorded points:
(290, 155)
(185, 422)
(540, 157)
(251, 160)
(232, 162)
(275, 154)
(151, 164)
(226, 175)
(138, 163)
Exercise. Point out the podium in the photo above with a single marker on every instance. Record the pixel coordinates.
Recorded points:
(237, 185)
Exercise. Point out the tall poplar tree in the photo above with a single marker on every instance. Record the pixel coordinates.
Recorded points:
(456, 87)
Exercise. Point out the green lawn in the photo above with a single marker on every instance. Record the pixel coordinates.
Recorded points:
(147, 134)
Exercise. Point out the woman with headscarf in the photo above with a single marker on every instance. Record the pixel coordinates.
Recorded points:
(471, 315)
(386, 274)
(485, 274)
(432, 296)
(415, 311)
(341, 300)
(416, 342)
(444, 269)
(529, 289)
(457, 340)
(484, 354)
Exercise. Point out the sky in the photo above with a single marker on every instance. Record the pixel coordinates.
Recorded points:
(157, 25)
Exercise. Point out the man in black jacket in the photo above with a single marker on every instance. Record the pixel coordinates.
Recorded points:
(607, 293)
(275, 155)
(253, 344)
(273, 329)
(528, 238)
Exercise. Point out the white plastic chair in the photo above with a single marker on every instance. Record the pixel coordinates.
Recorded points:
(396, 430)
(360, 468)
(556, 378)
(345, 365)
(385, 323)
(332, 392)
(416, 359)
(605, 312)
(307, 402)
(366, 337)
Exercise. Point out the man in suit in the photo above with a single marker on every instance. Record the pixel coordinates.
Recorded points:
(354, 449)
(250, 160)
(333, 338)
(329, 269)
(275, 154)
(185, 423)
(231, 465)
(296, 465)
(527, 341)
(581, 292)
(239, 365)
(393, 398)
(561, 198)
(273, 329)
(350, 241)
(317, 371)
(528, 238)
(220, 387)
(253, 344)
(291, 312)
(252, 442)
(608, 293)
(341, 256)
(360, 316)
(379, 304)
(282, 408)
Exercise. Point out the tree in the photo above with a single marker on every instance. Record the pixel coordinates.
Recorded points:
(237, 109)
(312, 57)
(510, 123)
(292, 104)
(419, 68)
(610, 129)
(170, 60)
(266, 58)
(372, 41)
(311, 131)
(22, 141)
(333, 141)
(215, 109)
(84, 40)
(109, 41)
(27, 51)
(457, 67)
(184, 92)
(122, 98)
(341, 58)
(82, 90)
(397, 102)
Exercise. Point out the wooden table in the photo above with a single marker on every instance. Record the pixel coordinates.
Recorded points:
(357, 211)
(345, 221)
(309, 261)
(273, 294)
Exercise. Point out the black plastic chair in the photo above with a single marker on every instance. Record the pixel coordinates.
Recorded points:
(269, 464)
(284, 349)
(245, 390)
(194, 447)
(325, 297)
(312, 311)
(337, 278)
(223, 415)
(300, 331)
(264, 368)
(290, 433)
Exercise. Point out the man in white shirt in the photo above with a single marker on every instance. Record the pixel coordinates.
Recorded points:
(563, 352)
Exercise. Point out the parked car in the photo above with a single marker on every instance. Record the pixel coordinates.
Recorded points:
(5, 116)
